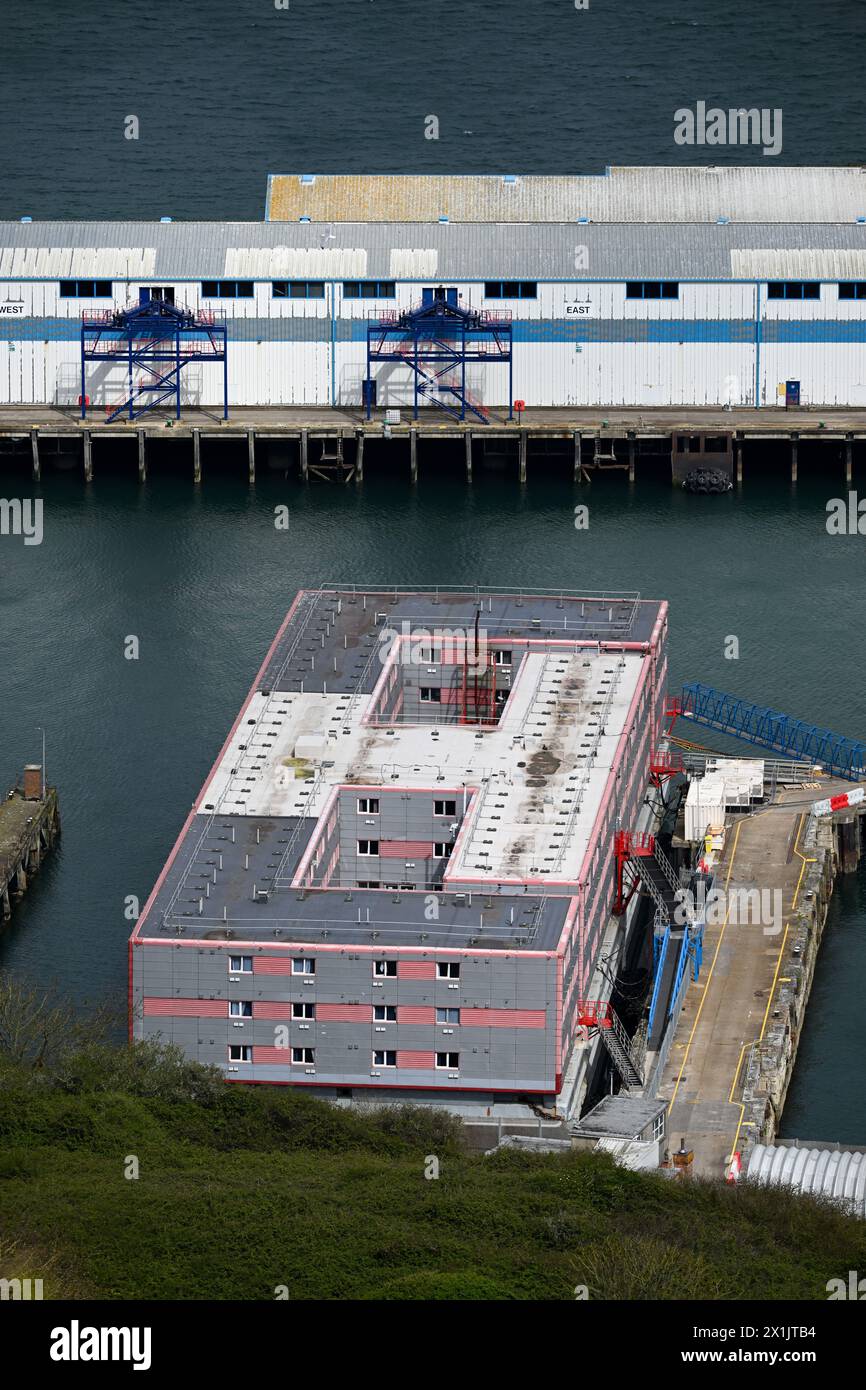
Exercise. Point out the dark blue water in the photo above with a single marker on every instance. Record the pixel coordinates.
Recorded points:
(228, 91)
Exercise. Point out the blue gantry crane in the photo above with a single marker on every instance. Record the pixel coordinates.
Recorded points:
(436, 341)
(155, 341)
(770, 729)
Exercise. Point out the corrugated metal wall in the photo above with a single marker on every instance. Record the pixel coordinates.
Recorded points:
(578, 344)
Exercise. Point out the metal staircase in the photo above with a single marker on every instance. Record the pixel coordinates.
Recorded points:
(616, 1041)
(152, 344)
(641, 859)
(436, 342)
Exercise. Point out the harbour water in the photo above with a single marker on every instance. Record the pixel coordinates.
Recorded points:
(226, 93)
(201, 577)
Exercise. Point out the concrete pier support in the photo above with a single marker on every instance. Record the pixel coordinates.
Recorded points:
(848, 843)
(522, 460)
(88, 457)
(469, 456)
(359, 459)
(34, 449)
(305, 455)
(794, 443)
(251, 454)
(578, 440)
(413, 455)
(849, 460)
(142, 457)
(196, 456)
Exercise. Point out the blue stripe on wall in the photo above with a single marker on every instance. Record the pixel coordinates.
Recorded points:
(525, 331)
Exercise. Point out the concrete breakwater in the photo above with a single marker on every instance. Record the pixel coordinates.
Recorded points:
(29, 827)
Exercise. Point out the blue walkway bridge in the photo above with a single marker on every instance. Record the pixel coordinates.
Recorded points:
(154, 342)
(772, 730)
(436, 341)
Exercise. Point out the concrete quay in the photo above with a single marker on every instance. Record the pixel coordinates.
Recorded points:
(735, 1044)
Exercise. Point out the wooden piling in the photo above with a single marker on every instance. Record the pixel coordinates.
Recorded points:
(142, 458)
(631, 458)
(251, 454)
(794, 443)
(848, 843)
(305, 455)
(523, 452)
(469, 456)
(578, 441)
(34, 449)
(196, 456)
(359, 458)
(849, 460)
(413, 455)
(88, 457)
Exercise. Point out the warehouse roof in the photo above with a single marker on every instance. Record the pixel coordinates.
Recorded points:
(660, 194)
(405, 251)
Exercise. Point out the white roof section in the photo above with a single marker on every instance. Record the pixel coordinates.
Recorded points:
(68, 262)
(839, 1174)
(414, 263)
(539, 775)
(799, 264)
(638, 194)
(295, 262)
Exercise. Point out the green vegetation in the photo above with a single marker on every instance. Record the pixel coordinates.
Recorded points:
(243, 1190)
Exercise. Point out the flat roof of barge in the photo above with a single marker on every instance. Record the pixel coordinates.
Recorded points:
(533, 782)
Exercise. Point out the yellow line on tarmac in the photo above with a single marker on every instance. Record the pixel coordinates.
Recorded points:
(710, 973)
(760, 1036)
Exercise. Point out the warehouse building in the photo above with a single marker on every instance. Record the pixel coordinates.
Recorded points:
(398, 877)
(640, 287)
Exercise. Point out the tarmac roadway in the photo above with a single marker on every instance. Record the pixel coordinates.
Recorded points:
(727, 1010)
